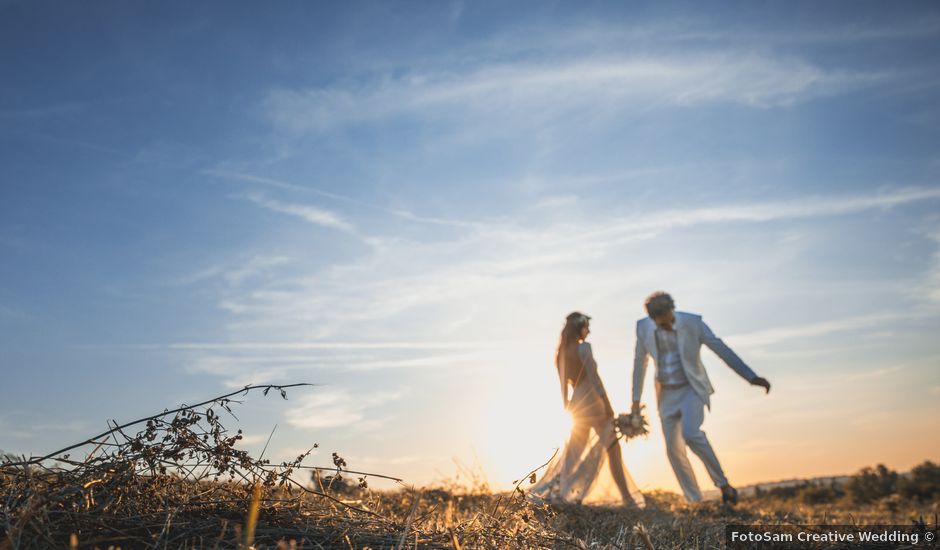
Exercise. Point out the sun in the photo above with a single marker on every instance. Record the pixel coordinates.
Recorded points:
(520, 424)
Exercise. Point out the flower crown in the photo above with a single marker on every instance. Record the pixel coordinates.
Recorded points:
(578, 318)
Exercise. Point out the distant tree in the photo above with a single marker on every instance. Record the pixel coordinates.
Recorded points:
(7, 457)
(923, 483)
(871, 484)
(807, 492)
(821, 493)
(786, 492)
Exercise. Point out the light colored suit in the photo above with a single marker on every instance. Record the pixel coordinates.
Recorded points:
(682, 409)
(692, 332)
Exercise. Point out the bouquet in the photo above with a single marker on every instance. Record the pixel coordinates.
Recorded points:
(630, 425)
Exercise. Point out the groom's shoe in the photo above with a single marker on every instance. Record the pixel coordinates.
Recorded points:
(729, 495)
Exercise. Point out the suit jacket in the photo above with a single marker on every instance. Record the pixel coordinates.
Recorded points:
(692, 332)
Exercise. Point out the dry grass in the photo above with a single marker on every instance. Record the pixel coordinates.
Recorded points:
(179, 482)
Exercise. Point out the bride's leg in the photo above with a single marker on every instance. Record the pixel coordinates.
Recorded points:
(615, 460)
(574, 448)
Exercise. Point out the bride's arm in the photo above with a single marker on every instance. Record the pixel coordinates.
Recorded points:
(563, 379)
(590, 368)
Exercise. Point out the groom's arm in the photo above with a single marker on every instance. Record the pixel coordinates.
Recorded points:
(730, 358)
(640, 361)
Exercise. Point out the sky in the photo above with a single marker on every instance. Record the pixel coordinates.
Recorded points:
(401, 202)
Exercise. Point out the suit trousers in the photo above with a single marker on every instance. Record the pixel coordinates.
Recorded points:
(682, 412)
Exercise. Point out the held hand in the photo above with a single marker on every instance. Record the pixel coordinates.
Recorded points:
(636, 406)
(762, 382)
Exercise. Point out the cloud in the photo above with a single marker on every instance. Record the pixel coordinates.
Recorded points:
(12, 314)
(502, 266)
(459, 296)
(255, 346)
(255, 366)
(690, 33)
(309, 213)
(810, 207)
(878, 377)
(456, 10)
(274, 183)
(23, 425)
(284, 185)
(235, 272)
(239, 366)
(931, 284)
(253, 439)
(394, 461)
(769, 337)
(874, 373)
(340, 408)
(539, 90)
(912, 29)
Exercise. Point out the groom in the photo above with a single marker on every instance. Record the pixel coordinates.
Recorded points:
(674, 339)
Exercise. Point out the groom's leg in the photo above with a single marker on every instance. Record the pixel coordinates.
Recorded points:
(670, 413)
(693, 414)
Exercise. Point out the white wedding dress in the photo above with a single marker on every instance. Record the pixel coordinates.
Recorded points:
(580, 471)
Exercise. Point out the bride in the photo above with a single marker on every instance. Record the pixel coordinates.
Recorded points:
(589, 469)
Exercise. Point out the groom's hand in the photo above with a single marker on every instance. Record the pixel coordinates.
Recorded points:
(762, 382)
(636, 406)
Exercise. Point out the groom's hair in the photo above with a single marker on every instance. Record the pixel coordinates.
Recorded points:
(659, 303)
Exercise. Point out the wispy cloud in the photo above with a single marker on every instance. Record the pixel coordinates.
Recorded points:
(256, 367)
(548, 89)
(394, 460)
(22, 425)
(826, 379)
(687, 33)
(239, 365)
(331, 345)
(770, 337)
(12, 314)
(310, 213)
(276, 184)
(340, 407)
(499, 264)
(288, 186)
(236, 271)
(931, 282)
(912, 29)
(456, 9)
(809, 207)
(875, 373)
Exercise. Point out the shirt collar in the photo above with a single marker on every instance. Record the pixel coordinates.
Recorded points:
(656, 327)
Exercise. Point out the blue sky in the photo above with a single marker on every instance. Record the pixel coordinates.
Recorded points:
(402, 202)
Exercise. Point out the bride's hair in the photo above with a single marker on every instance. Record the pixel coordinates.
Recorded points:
(567, 359)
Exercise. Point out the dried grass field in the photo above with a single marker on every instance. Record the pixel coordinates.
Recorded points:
(177, 480)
